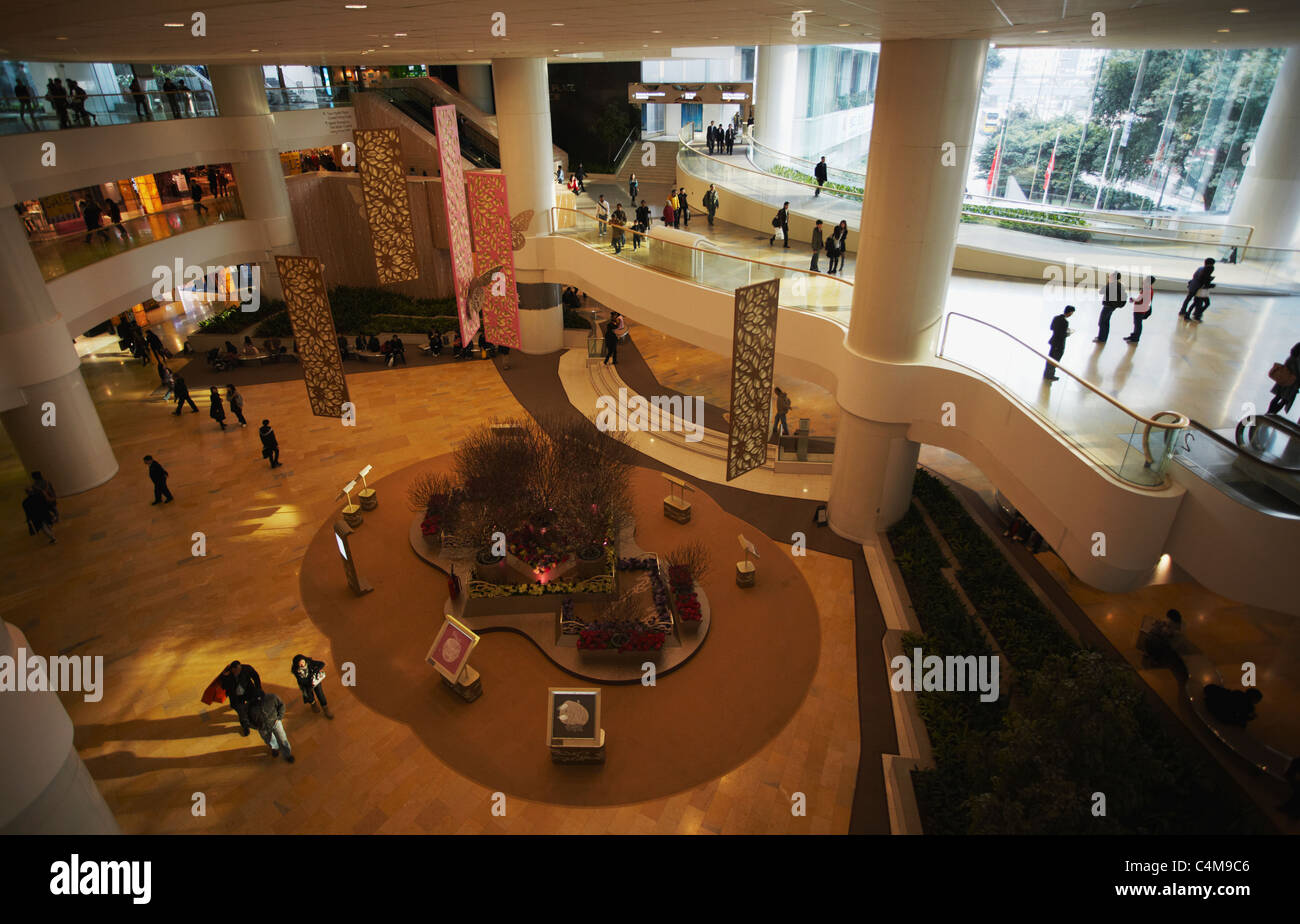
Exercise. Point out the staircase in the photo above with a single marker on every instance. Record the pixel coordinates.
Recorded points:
(663, 173)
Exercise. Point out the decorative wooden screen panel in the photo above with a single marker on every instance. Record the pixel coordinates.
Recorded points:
(489, 217)
(453, 198)
(753, 358)
(388, 208)
(313, 327)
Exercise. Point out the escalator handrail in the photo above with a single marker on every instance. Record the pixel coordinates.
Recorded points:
(419, 107)
(1235, 448)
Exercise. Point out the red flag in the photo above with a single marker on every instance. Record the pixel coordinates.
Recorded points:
(993, 168)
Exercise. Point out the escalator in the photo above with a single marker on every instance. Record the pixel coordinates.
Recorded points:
(1257, 463)
(476, 145)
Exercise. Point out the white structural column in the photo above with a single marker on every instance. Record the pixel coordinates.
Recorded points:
(523, 107)
(44, 404)
(1269, 195)
(44, 786)
(776, 78)
(475, 82)
(926, 99)
(241, 91)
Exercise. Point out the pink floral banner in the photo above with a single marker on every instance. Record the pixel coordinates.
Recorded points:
(489, 217)
(453, 200)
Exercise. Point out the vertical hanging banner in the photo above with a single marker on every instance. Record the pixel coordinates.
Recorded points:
(489, 217)
(453, 199)
(303, 282)
(388, 206)
(753, 359)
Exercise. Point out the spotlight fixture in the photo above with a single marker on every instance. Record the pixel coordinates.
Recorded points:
(1040, 31)
(1225, 30)
(399, 35)
(557, 23)
(173, 25)
(254, 50)
(1239, 10)
(843, 25)
(354, 6)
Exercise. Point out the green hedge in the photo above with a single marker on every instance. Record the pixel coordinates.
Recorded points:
(791, 174)
(969, 213)
(357, 310)
(234, 321)
(1075, 724)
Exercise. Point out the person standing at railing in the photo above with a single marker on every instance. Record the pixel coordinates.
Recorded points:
(25, 104)
(820, 172)
(1113, 298)
(711, 203)
(617, 222)
(58, 97)
(1056, 343)
(173, 98)
(817, 243)
(642, 223)
(78, 103)
(602, 215)
(1142, 308)
(141, 100)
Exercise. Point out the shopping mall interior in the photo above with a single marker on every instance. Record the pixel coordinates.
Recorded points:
(945, 352)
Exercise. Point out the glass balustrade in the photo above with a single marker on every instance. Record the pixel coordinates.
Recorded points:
(39, 114)
(1136, 449)
(281, 99)
(705, 265)
(69, 252)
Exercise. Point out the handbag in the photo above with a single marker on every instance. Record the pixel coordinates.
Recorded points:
(1282, 375)
(317, 677)
(1203, 292)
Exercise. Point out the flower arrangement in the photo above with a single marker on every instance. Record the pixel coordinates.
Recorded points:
(683, 585)
(540, 548)
(603, 637)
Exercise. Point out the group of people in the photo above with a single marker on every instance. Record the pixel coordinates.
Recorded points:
(834, 244)
(68, 102)
(256, 708)
(577, 179)
(720, 140)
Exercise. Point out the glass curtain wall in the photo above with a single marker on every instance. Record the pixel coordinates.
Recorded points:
(833, 104)
(1120, 129)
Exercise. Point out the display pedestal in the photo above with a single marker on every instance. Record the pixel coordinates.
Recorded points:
(369, 500)
(469, 686)
(352, 515)
(745, 573)
(675, 508)
(576, 754)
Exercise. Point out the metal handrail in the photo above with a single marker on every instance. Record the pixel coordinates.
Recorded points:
(1181, 421)
(1236, 447)
(689, 144)
(713, 253)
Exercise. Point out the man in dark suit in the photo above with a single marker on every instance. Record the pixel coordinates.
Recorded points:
(730, 138)
(1113, 297)
(158, 475)
(1203, 278)
(1056, 344)
(782, 221)
(708, 137)
(820, 172)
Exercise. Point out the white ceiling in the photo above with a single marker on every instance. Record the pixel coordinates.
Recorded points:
(324, 31)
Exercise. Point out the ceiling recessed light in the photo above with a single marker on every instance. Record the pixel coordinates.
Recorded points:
(656, 31)
(254, 50)
(60, 38)
(844, 25)
(1040, 31)
(803, 11)
(354, 6)
(383, 46)
(470, 50)
(1239, 10)
(557, 23)
(555, 49)
(399, 35)
(1225, 30)
(173, 25)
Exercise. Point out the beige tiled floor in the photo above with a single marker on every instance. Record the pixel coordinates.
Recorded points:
(122, 583)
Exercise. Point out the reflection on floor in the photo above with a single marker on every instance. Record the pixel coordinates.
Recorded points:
(72, 251)
(122, 582)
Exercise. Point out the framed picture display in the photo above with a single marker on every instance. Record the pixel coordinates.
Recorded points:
(452, 647)
(573, 717)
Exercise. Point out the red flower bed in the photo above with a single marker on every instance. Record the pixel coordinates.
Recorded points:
(600, 638)
(688, 603)
(431, 525)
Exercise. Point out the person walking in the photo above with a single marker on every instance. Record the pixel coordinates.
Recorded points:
(1142, 308)
(602, 216)
(36, 509)
(172, 96)
(58, 97)
(729, 139)
(141, 101)
(155, 345)
(182, 393)
(820, 172)
(782, 225)
(1198, 292)
(684, 207)
(267, 716)
(581, 176)
(632, 185)
(26, 108)
(196, 195)
(92, 216)
(216, 408)
(1056, 343)
(642, 223)
(1286, 382)
(236, 402)
(1113, 298)
(311, 676)
(708, 138)
(158, 475)
(270, 445)
(617, 222)
(243, 688)
(780, 426)
(670, 212)
(818, 242)
(611, 340)
(42, 484)
(711, 203)
(168, 379)
(114, 211)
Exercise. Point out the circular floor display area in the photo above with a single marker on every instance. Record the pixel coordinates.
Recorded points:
(694, 725)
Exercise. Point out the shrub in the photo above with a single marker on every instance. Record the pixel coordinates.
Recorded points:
(234, 321)
(1029, 221)
(365, 310)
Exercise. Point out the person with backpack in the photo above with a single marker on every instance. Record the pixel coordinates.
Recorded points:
(710, 201)
(602, 215)
(782, 225)
(780, 426)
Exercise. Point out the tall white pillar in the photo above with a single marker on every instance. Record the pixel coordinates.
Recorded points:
(776, 78)
(48, 412)
(1269, 194)
(921, 138)
(523, 105)
(475, 82)
(240, 91)
(44, 786)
